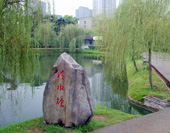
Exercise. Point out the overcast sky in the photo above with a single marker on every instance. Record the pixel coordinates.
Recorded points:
(68, 7)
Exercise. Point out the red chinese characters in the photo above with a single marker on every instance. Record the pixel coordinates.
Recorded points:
(60, 101)
(61, 73)
(60, 87)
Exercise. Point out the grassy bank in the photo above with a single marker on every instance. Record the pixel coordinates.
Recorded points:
(54, 50)
(139, 83)
(112, 117)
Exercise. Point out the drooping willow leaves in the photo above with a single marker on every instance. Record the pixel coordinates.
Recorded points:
(18, 21)
(71, 36)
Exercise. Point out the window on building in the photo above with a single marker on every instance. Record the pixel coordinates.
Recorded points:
(84, 22)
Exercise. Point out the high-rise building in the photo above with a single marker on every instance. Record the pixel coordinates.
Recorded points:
(103, 7)
(83, 12)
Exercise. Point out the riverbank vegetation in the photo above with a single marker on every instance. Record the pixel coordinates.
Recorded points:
(139, 85)
(103, 117)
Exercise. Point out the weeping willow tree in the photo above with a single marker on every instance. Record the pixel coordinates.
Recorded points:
(136, 26)
(18, 20)
(46, 35)
(71, 36)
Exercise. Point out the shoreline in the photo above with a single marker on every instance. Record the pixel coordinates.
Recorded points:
(53, 50)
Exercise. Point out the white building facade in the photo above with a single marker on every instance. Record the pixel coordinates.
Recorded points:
(86, 22)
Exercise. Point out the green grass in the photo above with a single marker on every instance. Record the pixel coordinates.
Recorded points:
(113, 116)
(139, 83)
(54, 50)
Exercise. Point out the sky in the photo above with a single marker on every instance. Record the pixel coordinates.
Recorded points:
(68, 7)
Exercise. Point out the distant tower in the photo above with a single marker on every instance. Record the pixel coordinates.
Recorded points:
(103, 7)
(83, 12)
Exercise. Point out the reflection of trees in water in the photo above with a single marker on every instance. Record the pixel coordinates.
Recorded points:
(23, 71)
(118, 82)
(106, 95)
(21, 104)
(47, 61)
(108, 92)
(11, 102)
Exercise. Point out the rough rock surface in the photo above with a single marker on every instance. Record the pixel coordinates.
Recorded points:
(67, 96)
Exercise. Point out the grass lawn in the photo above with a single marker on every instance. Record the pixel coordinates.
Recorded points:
(36, 125)
(139, 83)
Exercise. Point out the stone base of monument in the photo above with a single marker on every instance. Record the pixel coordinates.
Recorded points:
(67, 96)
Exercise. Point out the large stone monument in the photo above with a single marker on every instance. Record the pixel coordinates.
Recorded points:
(67, 96)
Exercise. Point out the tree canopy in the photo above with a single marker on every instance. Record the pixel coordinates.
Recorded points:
(71, 36)
(45, 35)
(18, 20)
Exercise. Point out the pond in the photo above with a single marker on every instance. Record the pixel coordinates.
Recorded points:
(25, 102)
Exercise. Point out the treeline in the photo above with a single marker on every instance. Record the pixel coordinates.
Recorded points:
(51, 32)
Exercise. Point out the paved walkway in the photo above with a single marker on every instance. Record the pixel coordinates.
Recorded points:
(158, 122)
(161, 62)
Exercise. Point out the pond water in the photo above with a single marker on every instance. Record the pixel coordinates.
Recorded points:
(25, 102)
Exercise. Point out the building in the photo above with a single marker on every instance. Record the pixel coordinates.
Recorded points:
(83, 12)
(88, 40)
(86, 22)
(103, 7)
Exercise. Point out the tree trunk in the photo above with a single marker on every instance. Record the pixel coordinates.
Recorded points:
(134, 62)
(150, 69)
(133, 59)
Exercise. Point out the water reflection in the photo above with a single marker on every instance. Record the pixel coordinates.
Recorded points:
(25, 102)
(21, 104)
